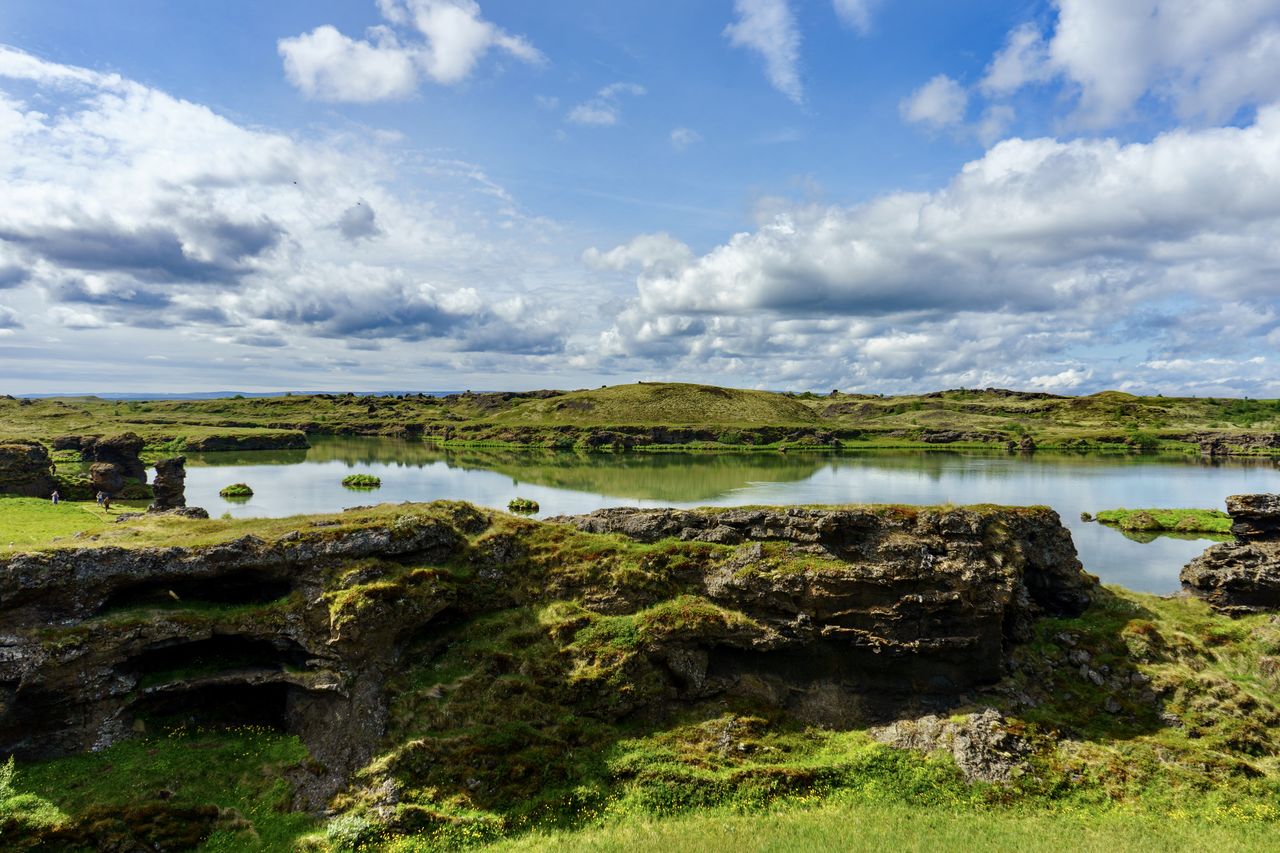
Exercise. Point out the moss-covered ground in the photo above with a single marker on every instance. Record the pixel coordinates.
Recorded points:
(531, 714)
(1168, 520)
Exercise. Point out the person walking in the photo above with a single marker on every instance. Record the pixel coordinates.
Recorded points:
(100, 497)
(55, 497)
(106, 501)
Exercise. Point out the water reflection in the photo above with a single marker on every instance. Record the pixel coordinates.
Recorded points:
(291, 482)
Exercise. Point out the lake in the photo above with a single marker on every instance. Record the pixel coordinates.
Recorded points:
(309, 481)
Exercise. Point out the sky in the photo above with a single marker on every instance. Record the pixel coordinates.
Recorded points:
(874, 196)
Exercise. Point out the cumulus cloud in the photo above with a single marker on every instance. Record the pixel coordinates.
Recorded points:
(605, 109)
(1205, 60)
(1028, 258)
(768, 27)
(440, 40)
(359, 222)
(122, 207)
(939, 103)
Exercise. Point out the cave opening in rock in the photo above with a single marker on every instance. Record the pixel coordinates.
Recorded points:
(219, 654)
(239, 588)
(216, 706)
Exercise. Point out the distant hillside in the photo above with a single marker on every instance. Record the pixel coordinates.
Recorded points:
(663, 403)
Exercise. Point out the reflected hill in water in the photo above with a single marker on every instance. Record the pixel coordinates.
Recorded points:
(683, 477)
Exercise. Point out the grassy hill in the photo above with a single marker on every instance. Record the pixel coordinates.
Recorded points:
(664, 403)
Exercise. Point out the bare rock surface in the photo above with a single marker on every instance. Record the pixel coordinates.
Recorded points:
(983, 747)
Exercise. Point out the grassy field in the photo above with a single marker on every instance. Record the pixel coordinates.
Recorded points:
(703, 417)
(1168, 520)
(28, 522)
(859, 827)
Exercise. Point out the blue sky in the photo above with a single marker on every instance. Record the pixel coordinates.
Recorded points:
(881, 196)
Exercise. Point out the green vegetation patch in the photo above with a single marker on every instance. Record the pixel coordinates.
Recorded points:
(362, 481)
(523, 505)
(236, 490)
(222, 790)
(1170, 520)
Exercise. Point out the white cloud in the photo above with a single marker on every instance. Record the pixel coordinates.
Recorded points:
(442, 40)
(326, 65)
(605, 109)
(1031, 257)
(124, 208)
(939, 103)
(768, 27)
(1205, 59)
(856, 13)
(683, 137)
(1023, 59)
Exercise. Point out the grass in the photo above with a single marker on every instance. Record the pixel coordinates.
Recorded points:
(362, 481)
(854, 826)
(27, 522)
(237, 771)
(1171, 520)
(523, 505)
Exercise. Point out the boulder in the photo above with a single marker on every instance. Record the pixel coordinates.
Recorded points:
(1243, 576)
(25, 469)
(106, 477)
(1254, 517)
(169, 486)
(1236, 578)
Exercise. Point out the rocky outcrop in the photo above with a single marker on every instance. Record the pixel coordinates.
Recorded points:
(169, 487)
(832, 616)
(121, 451)
(1254, 517)
(25, 469)
(1243, 576)
(897, 599)
(101, 643)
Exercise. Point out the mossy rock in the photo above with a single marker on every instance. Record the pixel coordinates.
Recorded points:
(1141, 521)
(523, 505)
(362, 481)
(236, 491)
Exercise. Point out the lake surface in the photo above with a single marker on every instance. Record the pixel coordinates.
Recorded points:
(309, 481)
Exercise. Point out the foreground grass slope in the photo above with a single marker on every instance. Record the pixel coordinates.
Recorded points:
(717, 417)
(1152, 724)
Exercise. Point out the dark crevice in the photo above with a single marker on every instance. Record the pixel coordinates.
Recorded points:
(217, 654)
(240, 588)
(220, 706)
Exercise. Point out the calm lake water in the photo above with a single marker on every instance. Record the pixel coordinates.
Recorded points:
(309, 481)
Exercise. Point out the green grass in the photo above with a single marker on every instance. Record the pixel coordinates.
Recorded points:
(1172, 520)
(361, 481)
(854, 826)
(236, 490)
(232, 769)
(26, 522)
